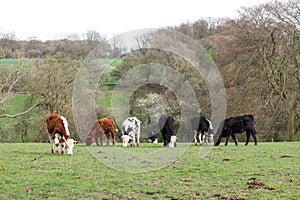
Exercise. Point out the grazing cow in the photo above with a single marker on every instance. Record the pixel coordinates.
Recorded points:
(58, 130)
(131, 131)
(153, 138)
(166, 126)
(237, 124)
(202, 127)
(102, 126)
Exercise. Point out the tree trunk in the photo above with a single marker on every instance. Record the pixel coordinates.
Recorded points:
(291, 125)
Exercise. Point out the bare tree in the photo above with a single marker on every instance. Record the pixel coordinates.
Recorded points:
(269, 37)
(7, 92)
(8, 45)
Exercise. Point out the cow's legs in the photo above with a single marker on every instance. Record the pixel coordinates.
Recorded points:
(133, 140)
(247, 137)
(52, 144)
(205, 138)
(99, 135)
(218, 141)
(234, 139)
(202, 137)
(63, 147)
(56, 142)
(101, 138)
(107, 138)
(113, 138)
(253, 133)
(196, 137)
(212, 139)
(165, 139)
(138, 140)
(199, 138)
(227, 139)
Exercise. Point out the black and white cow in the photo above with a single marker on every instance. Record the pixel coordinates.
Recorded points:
(153, 137)
(202, 129)
(131, 130)
(237, 124)
(166, 126)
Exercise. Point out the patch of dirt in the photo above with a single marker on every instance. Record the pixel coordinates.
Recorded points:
(286, 156)
(226, 159)
(219, 196)
(256, 184)
(37, 158)
(150, 193)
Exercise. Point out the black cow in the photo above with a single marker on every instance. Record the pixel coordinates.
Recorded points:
(166, 127)
(201, 127)
(237, 124)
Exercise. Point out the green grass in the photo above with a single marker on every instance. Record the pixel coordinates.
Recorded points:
(29, 171)
(18, 64)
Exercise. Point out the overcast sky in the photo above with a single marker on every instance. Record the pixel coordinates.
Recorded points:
(49, 19)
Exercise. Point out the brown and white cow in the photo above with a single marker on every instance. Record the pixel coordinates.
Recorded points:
(58, 130)
(102, 126)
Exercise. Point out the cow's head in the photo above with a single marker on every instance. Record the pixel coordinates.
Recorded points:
(89, 140)
(125, 140)
(70, 145)
(172, 143)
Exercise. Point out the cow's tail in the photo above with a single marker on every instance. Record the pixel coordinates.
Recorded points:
(210, 124)
(113, 123)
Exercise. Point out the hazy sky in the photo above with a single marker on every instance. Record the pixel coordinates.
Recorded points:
(49, 19)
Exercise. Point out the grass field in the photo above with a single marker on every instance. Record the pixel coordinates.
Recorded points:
(266, 171)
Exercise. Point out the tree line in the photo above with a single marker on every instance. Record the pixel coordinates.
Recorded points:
(257, 54)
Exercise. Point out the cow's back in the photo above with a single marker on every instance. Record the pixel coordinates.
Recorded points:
(51, 117)
(56, 125)
(51, 121)
(249, 121)
(166, 124)
(107, 124)
(240, 123)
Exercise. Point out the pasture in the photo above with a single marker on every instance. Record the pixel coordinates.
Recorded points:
(265, 171)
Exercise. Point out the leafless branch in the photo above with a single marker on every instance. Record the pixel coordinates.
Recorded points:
(20, 114)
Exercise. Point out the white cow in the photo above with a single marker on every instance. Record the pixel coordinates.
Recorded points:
(131, 131)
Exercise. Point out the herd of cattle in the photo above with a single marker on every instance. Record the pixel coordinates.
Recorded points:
(59, 133)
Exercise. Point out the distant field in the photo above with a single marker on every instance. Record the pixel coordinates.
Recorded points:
(266, 171)
(16, 104)
(18, 64)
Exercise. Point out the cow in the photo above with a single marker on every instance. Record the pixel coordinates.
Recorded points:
(57, 127)
(153, 137)
(131, 131)
(166, 126)
(102, 126)
(238, 124)
(202, 129)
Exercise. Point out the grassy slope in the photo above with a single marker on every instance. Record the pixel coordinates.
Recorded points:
(30, 171)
